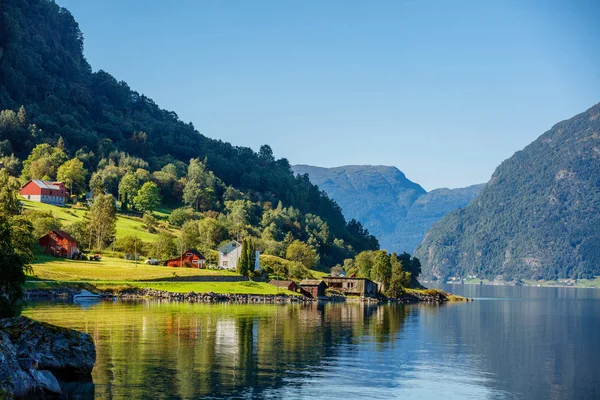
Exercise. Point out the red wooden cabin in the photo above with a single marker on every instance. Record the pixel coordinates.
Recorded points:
(59, 244)
(191, 258)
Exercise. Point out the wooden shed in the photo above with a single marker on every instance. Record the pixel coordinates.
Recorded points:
(59, 244)
(313, 288)
(352, 286)
(287, 285)
(191, 258)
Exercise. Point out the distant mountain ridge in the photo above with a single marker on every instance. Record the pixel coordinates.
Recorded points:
(538, 217)
(395, 209)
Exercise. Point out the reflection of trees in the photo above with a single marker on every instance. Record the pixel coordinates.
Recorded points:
(169, 350)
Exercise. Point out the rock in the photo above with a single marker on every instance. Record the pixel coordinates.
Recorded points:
(60, 350)
(33, 354)
(46, 382)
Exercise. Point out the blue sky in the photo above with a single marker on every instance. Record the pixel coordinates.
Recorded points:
(444, 90)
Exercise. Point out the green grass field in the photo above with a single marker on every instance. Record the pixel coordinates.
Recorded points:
(117, 274)
(110, 269)
(126, 226)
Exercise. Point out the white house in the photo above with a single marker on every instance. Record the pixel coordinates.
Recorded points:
(229, 254)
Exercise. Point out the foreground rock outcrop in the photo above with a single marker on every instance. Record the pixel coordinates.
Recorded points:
(34, 356)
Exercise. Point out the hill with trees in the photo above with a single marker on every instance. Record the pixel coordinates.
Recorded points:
(538, 217)
(61, 120)
(395, 209)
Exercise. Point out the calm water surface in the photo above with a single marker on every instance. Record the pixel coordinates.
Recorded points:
(510, 343)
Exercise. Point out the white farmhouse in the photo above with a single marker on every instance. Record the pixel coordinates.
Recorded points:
(229, 254)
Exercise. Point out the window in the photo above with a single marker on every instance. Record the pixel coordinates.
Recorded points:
(188, 254)
(195, 261)
(225, 263)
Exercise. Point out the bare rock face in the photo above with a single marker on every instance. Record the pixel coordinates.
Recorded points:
(33, 354)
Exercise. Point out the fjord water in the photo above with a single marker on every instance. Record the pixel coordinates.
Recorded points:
(510, 343)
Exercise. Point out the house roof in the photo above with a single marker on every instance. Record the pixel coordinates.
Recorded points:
(66, 236)
(345, 278)
(310, 282)
(46, 184)
(283, 284)
(196, 252)
(229, 247)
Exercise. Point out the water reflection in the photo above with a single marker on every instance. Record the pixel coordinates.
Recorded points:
(537, 346)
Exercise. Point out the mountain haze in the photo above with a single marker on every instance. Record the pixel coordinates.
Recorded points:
(538, 216)
(395, 209)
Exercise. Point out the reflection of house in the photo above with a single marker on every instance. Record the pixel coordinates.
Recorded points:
(45, 192)
(59, 244)
(229, 254)
(313, 288)
(352, 286)
(191, 258)
(287, 285)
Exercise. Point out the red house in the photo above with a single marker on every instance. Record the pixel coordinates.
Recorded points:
(191, 258)
(59, 244)
(45, 192)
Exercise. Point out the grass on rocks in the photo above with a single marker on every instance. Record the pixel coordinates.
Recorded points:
(248, 287)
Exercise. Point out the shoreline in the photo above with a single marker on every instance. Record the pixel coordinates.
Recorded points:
(428, 296)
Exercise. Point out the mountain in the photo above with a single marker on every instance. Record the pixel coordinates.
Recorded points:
(393, 208)
(98, 119)
(538, 216)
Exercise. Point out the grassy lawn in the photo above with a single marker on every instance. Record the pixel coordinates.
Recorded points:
(126, 226)
(109, 269)
(259, 288)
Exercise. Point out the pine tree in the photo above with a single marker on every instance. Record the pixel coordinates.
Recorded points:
(243, 266)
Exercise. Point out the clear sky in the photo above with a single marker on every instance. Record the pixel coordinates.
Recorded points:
(445, 90)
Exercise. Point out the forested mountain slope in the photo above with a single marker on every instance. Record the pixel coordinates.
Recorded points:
(538, 216)
(395, 209)
(95, 117)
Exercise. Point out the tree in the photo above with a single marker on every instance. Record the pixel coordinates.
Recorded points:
(16, 255)
(165, 246)
(400, 278)
(128, 188)
(102, 221)
(412, 266)
(246, 262)
(148, 197)
(302, 253)
(382, 268)
(149, 222)
(363, 264)
(43, 162)
(73, 174)
(16, 245)
(194, 195)
(9, 188)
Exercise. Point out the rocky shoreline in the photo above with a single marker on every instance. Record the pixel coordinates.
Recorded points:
(430, 296)
(37, 359)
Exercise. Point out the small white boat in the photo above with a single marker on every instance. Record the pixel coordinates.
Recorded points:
(86, 296)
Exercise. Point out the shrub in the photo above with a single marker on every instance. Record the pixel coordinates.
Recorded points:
(180, 215)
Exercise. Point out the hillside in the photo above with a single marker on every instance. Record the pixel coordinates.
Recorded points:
(538, 217)
(49, 94)
(393, 208)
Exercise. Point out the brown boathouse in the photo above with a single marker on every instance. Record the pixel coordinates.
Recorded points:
(352, 286)
(313, 288)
